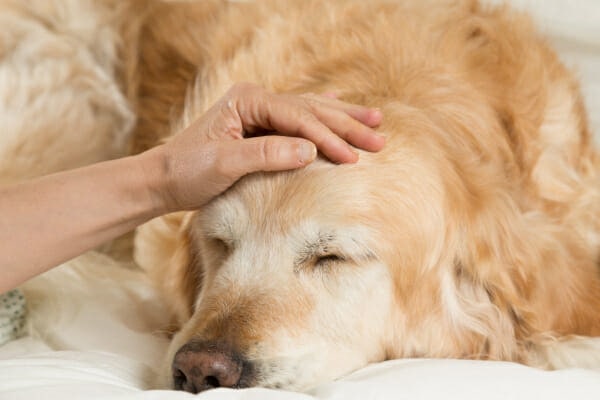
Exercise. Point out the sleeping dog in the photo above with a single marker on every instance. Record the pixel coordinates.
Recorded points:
(474, 234)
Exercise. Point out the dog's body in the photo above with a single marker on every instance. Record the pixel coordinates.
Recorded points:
(475, 233)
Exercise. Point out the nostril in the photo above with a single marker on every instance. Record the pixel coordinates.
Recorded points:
(179, 379)
(180, 382)
(212, 382)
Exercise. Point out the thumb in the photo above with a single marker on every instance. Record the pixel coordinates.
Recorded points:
(270, 153)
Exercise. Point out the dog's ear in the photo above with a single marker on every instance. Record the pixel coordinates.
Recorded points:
(164, 247)
(538, 279)
(494, 277)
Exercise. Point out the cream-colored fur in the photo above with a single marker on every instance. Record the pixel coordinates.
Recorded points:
(473, 234)
(60, 102)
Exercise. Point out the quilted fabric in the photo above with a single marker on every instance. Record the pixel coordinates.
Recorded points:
(12, 315)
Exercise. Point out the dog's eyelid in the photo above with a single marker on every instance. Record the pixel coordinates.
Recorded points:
(226, 243)
(340, 256)
(348, 246)
(323, 259)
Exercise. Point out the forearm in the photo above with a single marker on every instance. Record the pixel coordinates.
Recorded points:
(49, 220)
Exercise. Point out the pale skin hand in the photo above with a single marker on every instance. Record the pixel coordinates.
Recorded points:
(49, 220)
(210, 155)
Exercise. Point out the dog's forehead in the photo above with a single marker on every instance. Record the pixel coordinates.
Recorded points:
(326, 193)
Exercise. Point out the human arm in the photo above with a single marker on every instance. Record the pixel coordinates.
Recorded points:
(49, 220)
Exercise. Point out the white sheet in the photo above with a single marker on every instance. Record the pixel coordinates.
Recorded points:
(96, 345)
(96, 375)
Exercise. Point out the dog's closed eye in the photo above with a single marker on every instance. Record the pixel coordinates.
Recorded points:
(221, 244)
(309, 261)
(329, 250)
(328, 259)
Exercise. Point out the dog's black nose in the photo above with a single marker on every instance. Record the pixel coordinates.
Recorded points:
(197, 368)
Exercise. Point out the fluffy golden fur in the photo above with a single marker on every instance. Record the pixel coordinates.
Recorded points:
(474, 234)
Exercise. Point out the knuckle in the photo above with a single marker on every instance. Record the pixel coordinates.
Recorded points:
(306, 121)
(347, 125)
(311, 102)
(267, 151)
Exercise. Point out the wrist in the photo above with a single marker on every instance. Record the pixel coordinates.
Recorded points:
(153, 167)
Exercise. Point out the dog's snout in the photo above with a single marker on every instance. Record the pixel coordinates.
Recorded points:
(197, 368)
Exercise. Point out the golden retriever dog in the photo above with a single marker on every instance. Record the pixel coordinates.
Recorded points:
(474, 234)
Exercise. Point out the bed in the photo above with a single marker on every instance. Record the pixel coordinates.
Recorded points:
(98, 336)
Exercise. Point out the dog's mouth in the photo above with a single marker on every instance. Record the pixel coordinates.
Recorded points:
(199, 366)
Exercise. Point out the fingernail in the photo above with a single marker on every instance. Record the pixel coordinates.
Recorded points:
(307, 152)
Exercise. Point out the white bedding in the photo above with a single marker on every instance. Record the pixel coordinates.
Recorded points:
(94, 375)
(94, 340)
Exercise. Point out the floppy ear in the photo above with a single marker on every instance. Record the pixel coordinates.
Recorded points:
(165, 249)
(540, 278)
(500, 263)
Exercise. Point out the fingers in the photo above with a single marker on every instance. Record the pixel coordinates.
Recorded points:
(266, 153)
(341, 118)
(365, 115)
(213, 152)
(332, 125)
(298, 121)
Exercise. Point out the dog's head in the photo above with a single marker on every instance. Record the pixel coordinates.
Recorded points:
(452, 242)
(294, 282)
(290, 279)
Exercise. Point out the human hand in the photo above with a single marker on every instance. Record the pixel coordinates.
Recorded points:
(225, 143)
